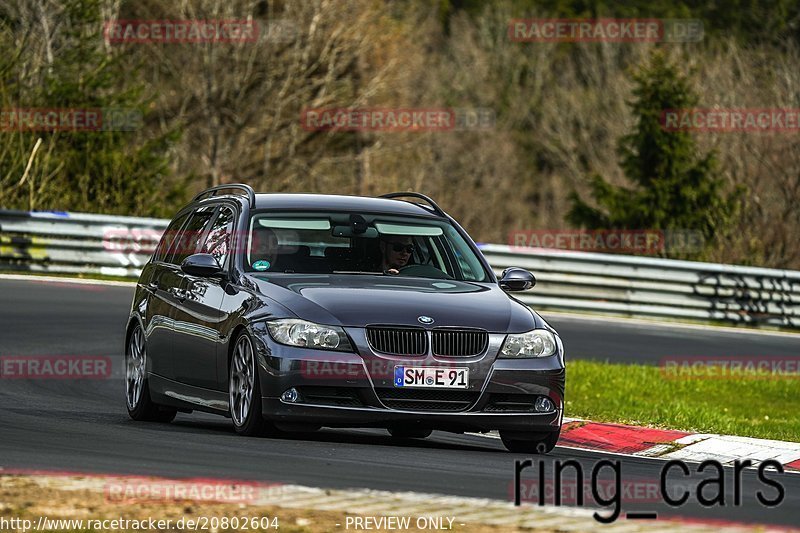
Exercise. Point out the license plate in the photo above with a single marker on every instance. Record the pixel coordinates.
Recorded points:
(431, 377)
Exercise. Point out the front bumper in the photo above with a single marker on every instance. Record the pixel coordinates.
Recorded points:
(340, 389)
(473, 421)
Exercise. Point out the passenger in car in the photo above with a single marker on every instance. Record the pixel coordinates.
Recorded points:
(396, 251)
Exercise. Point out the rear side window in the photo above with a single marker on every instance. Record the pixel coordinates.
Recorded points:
(169, 237)
(191, 236)
(218, 241)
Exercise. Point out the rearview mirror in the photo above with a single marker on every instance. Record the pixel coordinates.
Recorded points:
(348, 231)
(516, 279)
(201, 265)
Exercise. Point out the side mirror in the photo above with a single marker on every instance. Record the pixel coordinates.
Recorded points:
(201, 265)
(516, 279)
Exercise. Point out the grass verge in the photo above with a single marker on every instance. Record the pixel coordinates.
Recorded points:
(644, 395)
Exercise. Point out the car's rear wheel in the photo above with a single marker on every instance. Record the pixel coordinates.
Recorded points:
(137, 390)
(535, 443)
(403, 433)
(244, 390)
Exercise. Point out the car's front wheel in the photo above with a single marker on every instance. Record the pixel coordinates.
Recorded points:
(137, 391)
(244, 390)
(534, 443)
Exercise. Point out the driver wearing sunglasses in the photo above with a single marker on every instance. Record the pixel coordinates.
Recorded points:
(396, 251)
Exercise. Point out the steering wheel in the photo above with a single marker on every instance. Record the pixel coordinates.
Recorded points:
(423, 271)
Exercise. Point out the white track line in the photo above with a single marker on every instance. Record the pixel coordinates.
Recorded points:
(77, 281)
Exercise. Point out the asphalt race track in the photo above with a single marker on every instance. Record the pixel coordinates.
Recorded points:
(82, 426)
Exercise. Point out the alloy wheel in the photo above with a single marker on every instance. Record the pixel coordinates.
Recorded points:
(242, 381)
(135, 368)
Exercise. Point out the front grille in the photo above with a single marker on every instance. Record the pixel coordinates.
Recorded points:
(514, 403)
(459, 342)
(333, 396)
(427, 400)
(398, 341)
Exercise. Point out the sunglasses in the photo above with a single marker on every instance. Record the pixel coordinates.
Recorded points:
(399, 247)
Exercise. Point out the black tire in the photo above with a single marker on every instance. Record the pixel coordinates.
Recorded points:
(140, 406)
(404, 433)
(536, 443)
(250, 423)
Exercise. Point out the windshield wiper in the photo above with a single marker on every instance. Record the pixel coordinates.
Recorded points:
(371, 273)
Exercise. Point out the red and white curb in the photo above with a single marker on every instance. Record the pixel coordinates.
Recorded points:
(672, 444)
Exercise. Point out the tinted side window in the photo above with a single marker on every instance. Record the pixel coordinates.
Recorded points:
(219, 236)
(189, 239)
(169, 237)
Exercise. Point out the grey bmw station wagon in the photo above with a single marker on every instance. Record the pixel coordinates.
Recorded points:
(289, 312)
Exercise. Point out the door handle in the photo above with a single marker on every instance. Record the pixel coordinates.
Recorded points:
(153, 286)
(180, 294)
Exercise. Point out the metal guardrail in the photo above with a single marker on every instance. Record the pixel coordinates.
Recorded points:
(51, 242)
(77, 243)
(649, 287)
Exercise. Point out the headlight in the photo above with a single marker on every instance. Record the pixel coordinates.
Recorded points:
(535, 343)
(295, 332)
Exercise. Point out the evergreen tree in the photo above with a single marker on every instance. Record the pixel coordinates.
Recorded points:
(674, 187)
(121, 167)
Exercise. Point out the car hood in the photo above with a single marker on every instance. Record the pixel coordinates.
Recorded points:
(361, 300)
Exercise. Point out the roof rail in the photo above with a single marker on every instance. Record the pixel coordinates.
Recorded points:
(436, 209)
(248, 190)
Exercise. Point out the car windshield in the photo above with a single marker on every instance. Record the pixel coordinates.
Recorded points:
(359, 244)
